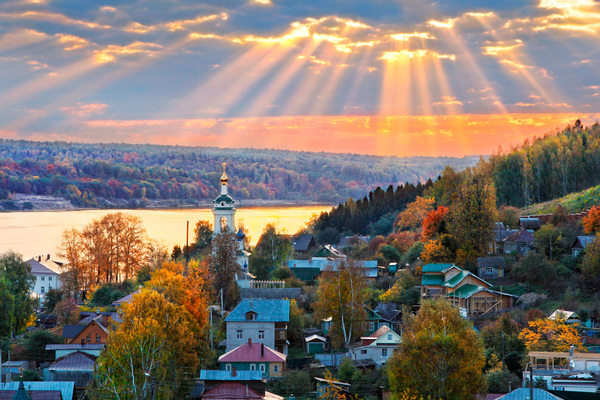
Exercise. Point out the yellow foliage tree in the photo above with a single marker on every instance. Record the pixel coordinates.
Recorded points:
(415, 213)
(551, 335)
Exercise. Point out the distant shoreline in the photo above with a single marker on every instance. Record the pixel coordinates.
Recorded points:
(32, 203)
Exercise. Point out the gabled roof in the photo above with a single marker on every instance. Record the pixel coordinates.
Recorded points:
(380, 331)
(267, 310)
(496, 262)
(329, 251)
(370, 266)
(71, 331)
(564, 315)
(388, 311)
(65, 389)
(583, 241)
(315, 338)
(466, 291)
(214, 375)
(436, 267)
(520, 236)
(77, 361)
(303, 242)
(455, 280)
(523, 394)
(38, 269)
(251, 352)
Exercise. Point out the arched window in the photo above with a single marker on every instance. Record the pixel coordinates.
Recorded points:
(223, 223)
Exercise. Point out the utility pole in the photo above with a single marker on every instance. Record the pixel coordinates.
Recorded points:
(503, 363)
(222, 309)
(187, 245)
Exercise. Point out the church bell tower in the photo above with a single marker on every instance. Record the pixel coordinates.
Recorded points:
(224, 208)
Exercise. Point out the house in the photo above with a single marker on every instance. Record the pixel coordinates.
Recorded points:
(351, 241)
(465, 290)
(327, 386)
(254, 357)
(520, 242)
(580, 244)
(38, 390)
(76, 367)
(565, 370)
(491, 267)
(303, 244)
(496, 246)
(525, 394)
(61, 350)
(14, 368)
(530, 223)
(378, 346)
(329, 252)
(309, 270)
(570, 317)
(45, 278)
(262, 320)
(95, 331)
(234, 385)
(390, 315)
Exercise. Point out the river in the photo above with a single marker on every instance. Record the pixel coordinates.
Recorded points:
(40, 232)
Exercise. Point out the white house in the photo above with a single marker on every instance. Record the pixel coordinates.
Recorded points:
(378, 347)
(45, 277)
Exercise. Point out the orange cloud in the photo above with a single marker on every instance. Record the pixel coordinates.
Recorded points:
(84, 110)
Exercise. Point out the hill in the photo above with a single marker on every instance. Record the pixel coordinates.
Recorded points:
(127, 175)
(573, 202)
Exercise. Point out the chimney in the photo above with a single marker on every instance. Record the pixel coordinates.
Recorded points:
(47, 257)
(39, 258)
(233, 371)
(262, 349)
(249, 340)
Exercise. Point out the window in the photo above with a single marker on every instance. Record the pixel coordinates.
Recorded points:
(363, 352)
(43, 278)
(250, 316)
(371, 326)
(489, 270)
(88, 338)
(252, 367)
(261, 367)
(227, 367)
(98, 338)
(49, 278)
(275, 368)
(389, 337)
(261, 334)
(384, 352)
(43, 290)
(238, 334)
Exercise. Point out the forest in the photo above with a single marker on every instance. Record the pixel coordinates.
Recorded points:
(127, 175)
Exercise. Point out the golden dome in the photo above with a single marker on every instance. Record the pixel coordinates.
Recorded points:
(224, 177)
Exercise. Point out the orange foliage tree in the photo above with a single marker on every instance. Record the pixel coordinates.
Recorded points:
(551, 335)
(412, 218)
(591, 222)
(434, 224)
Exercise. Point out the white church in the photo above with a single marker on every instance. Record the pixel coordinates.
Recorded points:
(224, 221)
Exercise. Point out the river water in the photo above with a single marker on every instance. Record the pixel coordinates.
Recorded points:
(40, 232)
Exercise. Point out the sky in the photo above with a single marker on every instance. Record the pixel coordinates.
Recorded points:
(401, 77)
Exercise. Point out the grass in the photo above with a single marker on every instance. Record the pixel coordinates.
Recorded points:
(573, 203)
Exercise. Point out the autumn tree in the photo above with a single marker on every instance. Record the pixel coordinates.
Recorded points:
(440, 356)
(590, 267)
(473, 213)
(404, 290)
(509, 216)
(16, 274)
(435, 223)
(224, 265)
(415, 213)
(108, 250)
(342, 294)
(551, 335)
(203, 234)
(501, 339)
(591, 222)
(155, 344)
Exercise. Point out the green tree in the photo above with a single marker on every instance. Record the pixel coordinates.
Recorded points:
(203, 234)
(35, 346)
(504, 332)
(403, 291)
(17, 273)
(342, 295)
(590, 267)
(52, 298)
(440, 357)
(7, 304)
(502, 381)
(274, 246)
(473, 213)
(547, 240)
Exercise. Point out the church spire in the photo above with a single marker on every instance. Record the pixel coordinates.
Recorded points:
(224, 179)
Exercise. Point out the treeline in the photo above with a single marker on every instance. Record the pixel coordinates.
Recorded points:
(373, 215)
(548, 167)
(89, 174)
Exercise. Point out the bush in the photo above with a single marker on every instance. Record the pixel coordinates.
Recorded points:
(502, 381)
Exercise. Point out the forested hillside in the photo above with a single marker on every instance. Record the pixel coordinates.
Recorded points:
(91, 174)
(548, 167)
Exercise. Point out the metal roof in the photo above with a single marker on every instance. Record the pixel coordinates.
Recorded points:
(267, 310)
(436, 267)
(215, 375)
(38, 269)
(76, 361)
(370, 266)
(251, 352)
(66, 388)
(76, 346)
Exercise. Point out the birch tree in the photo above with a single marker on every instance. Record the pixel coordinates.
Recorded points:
(342, 294)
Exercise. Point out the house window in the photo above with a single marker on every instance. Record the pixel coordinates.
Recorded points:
(371, 326)
(489, 270)
(363, 352)
(43, 290)
(275, 368)
(384, 352)
(389, 337)
(261, 334)
(262, 367)
(43, 278)
(98, 339)
(238, 334)
(250, 316)
(227, 367)
(252, 367)
(88, 338)
(49, 278)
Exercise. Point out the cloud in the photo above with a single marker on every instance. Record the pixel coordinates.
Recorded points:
(56, 18)
(85, 110)
(112, 52)
(448, 101)
(408, 54)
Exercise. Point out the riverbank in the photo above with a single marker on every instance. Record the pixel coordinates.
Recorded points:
(21, 202)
